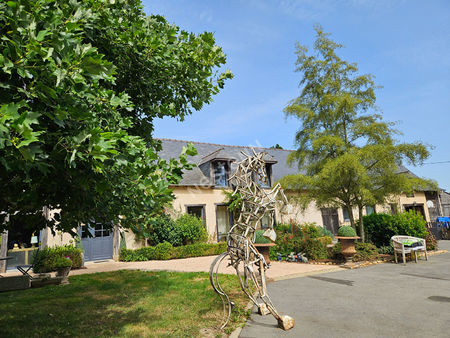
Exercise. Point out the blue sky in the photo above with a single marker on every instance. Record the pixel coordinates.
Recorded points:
(405, 44)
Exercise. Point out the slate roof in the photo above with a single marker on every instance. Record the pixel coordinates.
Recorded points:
(209, 151)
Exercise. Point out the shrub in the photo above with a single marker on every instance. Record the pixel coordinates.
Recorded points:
(311, 230)
(163, 229)
(62, 262)
(326, 232)
(199, 249)
(260, 239)
(346, 231)
(379, 229)
(365, 252)
(431, 241)
(284, 228)
(325, 240)
(44, 260)
(335, 252)
(409, 223)
(386, 250)
(191, 228)
(163, 251)
(185, 251)
(315, 249)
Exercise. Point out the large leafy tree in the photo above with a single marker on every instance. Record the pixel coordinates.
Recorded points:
(348, 154)
(80, 85)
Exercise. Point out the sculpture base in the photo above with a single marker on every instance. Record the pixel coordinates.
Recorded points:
(263, 310)
(286, 323)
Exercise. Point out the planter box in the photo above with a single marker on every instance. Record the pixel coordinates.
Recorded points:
(14, 283)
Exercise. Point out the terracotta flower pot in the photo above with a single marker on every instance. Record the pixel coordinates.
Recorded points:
(264, 250)
(348, 246)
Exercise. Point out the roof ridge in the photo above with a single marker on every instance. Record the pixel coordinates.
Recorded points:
(218, 144)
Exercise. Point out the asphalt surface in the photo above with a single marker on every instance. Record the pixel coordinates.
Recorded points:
(385, 300)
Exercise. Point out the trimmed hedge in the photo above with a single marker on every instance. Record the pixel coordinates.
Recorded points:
(381, 227)
(165, 251)
(365, 252)
(346, 231)
(45, 259)
(260, 239)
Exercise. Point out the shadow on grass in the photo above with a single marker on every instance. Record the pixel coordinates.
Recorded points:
(120, 303)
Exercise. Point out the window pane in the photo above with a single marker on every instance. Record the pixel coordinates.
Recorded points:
(370, 210)
(98, 230)
(223, 222)
(220, 174)
(196, 211)
(265, 222)
(265, 183)
(346, 214)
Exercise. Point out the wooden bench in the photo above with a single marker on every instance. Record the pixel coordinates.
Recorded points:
(406, 245)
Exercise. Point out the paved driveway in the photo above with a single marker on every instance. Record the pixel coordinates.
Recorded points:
(385, 300)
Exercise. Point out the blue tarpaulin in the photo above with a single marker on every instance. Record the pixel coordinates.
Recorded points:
(443, 221)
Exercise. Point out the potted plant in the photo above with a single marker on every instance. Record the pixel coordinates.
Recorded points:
(63, 266)
(263, 244)
(347, 236)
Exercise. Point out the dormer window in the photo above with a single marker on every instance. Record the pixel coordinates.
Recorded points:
(268, 183)
(220, 169)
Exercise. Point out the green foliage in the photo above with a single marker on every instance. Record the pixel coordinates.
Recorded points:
(80, 85)
(234, 202)
(282, 229)
(409, 223)
(326, 232)
(379, 230)
(260, 239)
(176, 304)
(185, 251)
(62, 262)
(163, 251)
(191, 228)
(347, 151)
(325, 240)
(335, 252)
(381, 227)
(386, 250)
(162, 228)
(311, 230)
(199, 249)
(307, 238)
(365, 252)
(186, 229)
(45, 259)
(346, 231)
(315, 249)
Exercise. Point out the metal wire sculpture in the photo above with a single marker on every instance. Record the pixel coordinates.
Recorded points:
(242, 254)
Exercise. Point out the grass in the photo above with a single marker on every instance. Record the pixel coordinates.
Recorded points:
(122, 304)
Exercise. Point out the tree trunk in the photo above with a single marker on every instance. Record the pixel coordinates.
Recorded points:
(350, 215)
(3, 250)
(361, 224)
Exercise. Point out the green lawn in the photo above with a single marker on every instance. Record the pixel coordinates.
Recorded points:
(121, 303)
